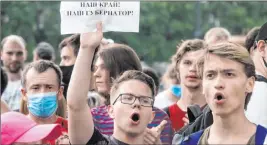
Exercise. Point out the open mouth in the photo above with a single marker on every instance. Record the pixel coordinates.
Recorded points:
(219, 97)
(135, 117)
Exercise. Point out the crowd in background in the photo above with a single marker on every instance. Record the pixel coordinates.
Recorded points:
(214, 91)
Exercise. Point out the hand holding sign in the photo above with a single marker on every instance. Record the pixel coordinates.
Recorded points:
(81, 17)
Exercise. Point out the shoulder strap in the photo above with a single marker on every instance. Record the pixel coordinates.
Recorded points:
(260, 78)
(166, 109)
(260, 135)
(193, 112)
(193, 139)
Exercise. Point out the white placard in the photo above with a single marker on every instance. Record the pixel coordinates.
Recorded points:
(81, 17)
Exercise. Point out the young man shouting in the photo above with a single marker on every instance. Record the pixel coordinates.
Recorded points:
(228, 80)
(132, 97)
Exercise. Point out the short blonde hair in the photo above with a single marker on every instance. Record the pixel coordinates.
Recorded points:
(15, 39)
(218, 33)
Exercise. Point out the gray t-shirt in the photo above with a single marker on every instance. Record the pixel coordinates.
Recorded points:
(205, 136)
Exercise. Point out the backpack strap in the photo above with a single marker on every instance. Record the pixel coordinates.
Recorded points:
(193, 112)
(167, 110)
(260, 78)
(260, 135)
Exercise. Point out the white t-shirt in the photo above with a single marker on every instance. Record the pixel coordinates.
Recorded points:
(257, 106)
(12, 95)
(162, 101)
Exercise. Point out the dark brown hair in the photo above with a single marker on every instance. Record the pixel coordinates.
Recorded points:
(4, 80)
(133, 75)
(251, 37)
(73, 41)
(41, 66)
(45, 51)
(153, 74)
(119, 58)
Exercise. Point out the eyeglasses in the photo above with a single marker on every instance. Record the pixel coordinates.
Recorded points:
(128, 98)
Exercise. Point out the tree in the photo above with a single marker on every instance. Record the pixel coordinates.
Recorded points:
(163, 25)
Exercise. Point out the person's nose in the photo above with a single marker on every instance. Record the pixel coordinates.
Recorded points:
(137, 103)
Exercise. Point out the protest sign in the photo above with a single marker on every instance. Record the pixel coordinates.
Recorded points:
(81, 17)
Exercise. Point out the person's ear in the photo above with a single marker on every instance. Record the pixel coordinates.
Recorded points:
(23, 93)
(152, 116)
(111, 111)
(60, 93)
(250, 84)
(261, 48)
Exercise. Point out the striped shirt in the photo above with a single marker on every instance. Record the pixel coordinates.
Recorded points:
(104, 123)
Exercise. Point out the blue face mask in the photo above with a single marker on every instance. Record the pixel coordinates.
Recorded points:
(176, 91)
(43, 105)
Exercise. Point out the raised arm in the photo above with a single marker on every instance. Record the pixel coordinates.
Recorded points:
(81, 125)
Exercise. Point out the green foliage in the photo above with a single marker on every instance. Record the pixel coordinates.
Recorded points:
(162, 24)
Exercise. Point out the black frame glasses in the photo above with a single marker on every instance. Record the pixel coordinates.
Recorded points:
(132, 98)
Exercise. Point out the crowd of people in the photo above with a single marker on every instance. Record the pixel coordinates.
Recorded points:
(215, 92)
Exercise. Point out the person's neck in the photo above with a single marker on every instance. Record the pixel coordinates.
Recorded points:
(260, 67)
(123, 137)
(106, 97)
(235, 124)
(262, 71)
(13, 76)
(191, 96)
(171, 96)
(38, 120)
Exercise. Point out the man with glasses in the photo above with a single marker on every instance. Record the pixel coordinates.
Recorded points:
(131, 115)
(128, 98)
(257, 107)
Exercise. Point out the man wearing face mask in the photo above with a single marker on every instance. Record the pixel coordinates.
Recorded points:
(257, 107)
(41, 90)
(69, 48)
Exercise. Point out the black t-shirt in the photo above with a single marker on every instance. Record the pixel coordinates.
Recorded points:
(100, 139)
